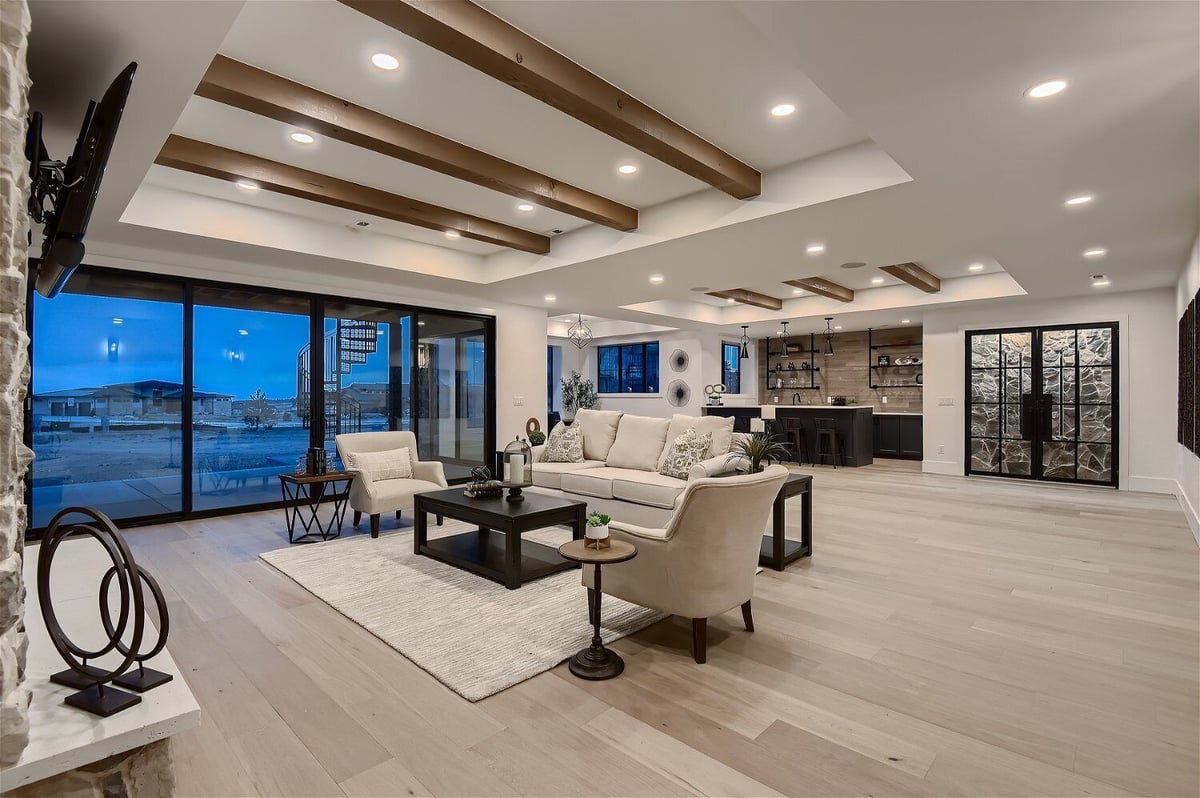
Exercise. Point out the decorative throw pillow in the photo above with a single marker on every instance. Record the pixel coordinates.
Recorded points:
(377, 466)
(684, 452)
(565, 445)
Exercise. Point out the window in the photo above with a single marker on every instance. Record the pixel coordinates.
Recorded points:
(629, 368)
(553, 377)
(731, 366)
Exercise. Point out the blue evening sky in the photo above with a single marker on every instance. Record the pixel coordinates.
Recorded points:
(73, 332)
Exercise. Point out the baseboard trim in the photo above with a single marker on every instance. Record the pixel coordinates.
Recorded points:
(949, 467)
(1190, 512)
(1151, 484)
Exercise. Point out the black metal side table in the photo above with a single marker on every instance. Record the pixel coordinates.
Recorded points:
(302, 497)
(596, 662)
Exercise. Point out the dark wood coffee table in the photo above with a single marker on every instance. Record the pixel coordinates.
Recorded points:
(495, 550)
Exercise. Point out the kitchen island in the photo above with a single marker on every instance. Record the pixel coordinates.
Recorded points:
(854, 425)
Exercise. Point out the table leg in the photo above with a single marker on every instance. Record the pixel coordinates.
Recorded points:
(289, 510)
(580, 523)
(596, 662)
(778, 526)
(806, 519)
(420, 527)
(512, 559)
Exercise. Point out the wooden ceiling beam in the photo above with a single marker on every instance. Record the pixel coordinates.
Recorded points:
(465, 31)
(259, 92)
(748, 297)
(822, 287)
(915, 276)
(202, 158)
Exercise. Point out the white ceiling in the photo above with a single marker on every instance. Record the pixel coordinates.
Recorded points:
(957, 166)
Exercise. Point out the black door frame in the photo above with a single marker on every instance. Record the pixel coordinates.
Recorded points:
(1037, 377)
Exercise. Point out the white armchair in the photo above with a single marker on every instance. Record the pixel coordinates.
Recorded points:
(703, 562)
(387, 495)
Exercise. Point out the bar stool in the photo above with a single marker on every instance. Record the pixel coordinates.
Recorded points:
(796, 439)
(829, 442)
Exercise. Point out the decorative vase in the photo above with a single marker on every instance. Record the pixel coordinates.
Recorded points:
(595, 537)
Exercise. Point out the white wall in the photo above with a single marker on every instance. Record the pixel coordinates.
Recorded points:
(520, 370)
(1187, 473)
(1147, 367)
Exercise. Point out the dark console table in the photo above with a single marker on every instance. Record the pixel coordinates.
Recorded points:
(777, 550)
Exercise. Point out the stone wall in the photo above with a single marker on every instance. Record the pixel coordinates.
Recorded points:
(14, 374)
(142, 773)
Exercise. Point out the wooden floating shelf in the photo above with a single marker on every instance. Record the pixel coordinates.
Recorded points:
(900, 366)
(902, 343)
(900, 385)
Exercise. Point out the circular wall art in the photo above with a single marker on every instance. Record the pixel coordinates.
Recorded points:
(679, 360)
(678, 393)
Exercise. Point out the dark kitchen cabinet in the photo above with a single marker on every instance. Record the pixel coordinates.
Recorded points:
(898, 436)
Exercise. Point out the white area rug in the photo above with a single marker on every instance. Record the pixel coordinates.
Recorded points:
(474, 635)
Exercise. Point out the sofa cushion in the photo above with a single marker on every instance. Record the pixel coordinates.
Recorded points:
(378, 466)
(684, 452)
(588, 482)
(639, 442)
(565, 445)
(599, 431)
(549, 475)
(649, 488)
(721, 428)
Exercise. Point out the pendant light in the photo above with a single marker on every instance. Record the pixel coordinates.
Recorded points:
(579, 333)
(784, 354)
(828, 336)
(745, 350)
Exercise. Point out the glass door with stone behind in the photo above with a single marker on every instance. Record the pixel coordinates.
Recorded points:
(1041, 403)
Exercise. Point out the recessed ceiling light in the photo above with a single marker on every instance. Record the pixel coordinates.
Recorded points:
(656, 279)
(243, 332)
(1100, 281)
(876, 281)
(300, 137)
(906, 321)
(248, 185)
(627, 169)
(1082, 199)
(797, 290)
(525, 207)
(975, 267)
(385, 61)
(1047, 89)
(550, 298)
(730, 300)
(1095, 252)
(453, 234)
(783, 109)
(815, 249)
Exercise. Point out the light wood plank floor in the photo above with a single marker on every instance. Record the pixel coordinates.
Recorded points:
(949, 637)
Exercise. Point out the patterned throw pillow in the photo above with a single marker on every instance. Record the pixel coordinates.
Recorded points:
(685, 451)
(565, 445)
(377, 466)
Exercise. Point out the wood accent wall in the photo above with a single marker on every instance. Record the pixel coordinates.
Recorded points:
(844, 373)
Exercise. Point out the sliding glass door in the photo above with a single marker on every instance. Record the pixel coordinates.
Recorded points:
(107, 398)
(1042, 403)
(453, 392)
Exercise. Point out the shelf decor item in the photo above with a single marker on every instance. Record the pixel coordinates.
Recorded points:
(94, 695)
(482, 486)
(518, 469)
(533, 431)
(595, 534)
(885, 360)
(714, 393)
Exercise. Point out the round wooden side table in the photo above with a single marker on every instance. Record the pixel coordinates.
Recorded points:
(597, 662)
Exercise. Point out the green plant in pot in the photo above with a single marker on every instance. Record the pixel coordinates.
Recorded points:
(577, 394)
(537, 438)
(596, 532)
(759, 450)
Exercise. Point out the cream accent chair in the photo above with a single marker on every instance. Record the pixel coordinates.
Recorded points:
(388, 495)
(703, 562)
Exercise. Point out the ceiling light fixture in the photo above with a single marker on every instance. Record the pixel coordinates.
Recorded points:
(797, 290)
(786, 340)
(385, 61)
(550, 298)
(730, 300)
(815, 249)
(828, 336)
(248, 185)
(525, 207)
(627, 169)
(1100, 281)
(975, 267)
(1047, 89)
(1082, 199)
(906, 321)
(876, 281)
(579, 333)
(783, 109)
(453, 234)
(1095, 252)
(744, 352)
(657, 279)
(300, 137)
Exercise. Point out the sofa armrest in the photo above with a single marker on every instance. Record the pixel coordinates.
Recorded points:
(638, 532)
(714, 466)
(430, 471)
(536, 452)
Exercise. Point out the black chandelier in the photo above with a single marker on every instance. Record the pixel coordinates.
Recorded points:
(579, 333)
(828, 336)
(744, 352)
(784, 353)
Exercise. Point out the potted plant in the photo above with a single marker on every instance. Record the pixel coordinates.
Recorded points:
(537, 438)
(596, 533)
(577, 394)
(759, 449)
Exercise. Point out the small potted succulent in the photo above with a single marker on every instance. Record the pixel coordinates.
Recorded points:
(759, 449)
(596, 533)
(537, 438)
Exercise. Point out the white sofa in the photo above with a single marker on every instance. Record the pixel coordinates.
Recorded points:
(622, 452)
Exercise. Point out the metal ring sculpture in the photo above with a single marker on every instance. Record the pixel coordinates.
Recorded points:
(89, 678)
(145, 678)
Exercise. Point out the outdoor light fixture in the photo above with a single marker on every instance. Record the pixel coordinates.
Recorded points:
(579, 333)
(784, 353)
(828, 336)
(114, 348)
(745, 350)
